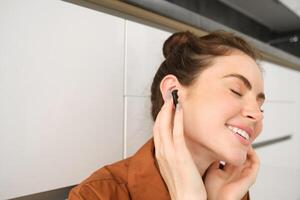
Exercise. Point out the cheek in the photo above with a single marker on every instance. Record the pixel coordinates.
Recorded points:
(226, 106)
(258, 128)
(209, 114)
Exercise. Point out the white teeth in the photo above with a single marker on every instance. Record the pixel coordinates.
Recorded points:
(241, 132)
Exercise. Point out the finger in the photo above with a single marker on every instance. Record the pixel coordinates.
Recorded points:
(178, 135)
(156, 137)
(253, 160)
(165, 122)
(215, 170)
(251, 168)
(253, 157)
(156, 134)
(230, 168)
(215, 166)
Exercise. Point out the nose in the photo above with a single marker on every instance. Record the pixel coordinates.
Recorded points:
(253, 112)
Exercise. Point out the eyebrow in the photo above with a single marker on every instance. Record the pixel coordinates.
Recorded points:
(246, 83)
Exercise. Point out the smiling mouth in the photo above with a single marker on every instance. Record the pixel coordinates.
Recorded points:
(239, 131)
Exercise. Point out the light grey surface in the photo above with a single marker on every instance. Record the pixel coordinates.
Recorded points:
(270, 13)
(294, 5)
(183, 15)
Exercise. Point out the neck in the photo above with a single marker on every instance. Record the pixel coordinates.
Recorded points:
(203, 158)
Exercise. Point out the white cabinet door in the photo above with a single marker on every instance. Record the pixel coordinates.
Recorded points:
(138, 124)
(279, 173)
(280, 107)
(143, 57)
(61, 87)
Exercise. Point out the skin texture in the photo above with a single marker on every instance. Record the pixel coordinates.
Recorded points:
(174, 159)
(193, 139)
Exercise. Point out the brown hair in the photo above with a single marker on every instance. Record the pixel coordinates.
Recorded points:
(187, 55)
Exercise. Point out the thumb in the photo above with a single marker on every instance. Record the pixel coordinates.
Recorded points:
(214, 166)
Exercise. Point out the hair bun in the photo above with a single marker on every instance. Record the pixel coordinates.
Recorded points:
(175, 41)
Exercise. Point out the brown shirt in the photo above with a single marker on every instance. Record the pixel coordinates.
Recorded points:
(135, 178)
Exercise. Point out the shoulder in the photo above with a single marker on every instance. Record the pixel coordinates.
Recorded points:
(109, 182)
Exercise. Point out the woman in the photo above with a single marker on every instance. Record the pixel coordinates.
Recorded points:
(218, 116)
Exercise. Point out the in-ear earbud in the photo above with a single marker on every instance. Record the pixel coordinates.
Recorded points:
(175, 97)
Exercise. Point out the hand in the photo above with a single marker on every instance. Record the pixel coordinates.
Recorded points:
(232, 182)
(174, 159)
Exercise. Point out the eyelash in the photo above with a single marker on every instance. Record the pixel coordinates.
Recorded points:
(235, 92)
(240, 95)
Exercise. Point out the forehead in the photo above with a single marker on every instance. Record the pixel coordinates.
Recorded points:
(235, 63)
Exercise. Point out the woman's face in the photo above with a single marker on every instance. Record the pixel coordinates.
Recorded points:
(222, 109)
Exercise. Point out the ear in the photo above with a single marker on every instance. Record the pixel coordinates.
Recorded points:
(169, 83)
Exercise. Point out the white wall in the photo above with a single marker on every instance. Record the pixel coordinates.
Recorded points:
(61, 86)
(75, 95)
(279, 176)
(143, 57)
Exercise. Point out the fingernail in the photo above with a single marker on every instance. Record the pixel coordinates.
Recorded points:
(221, 164)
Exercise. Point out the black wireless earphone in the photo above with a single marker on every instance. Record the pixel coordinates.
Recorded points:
(175, 97)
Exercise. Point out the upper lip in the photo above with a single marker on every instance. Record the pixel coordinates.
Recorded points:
(248, 129)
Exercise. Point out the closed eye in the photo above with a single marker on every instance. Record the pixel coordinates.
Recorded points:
(235, 92)
(239, 94)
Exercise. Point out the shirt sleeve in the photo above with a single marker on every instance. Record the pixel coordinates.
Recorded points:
(84, 192)
(100, 190)
(73, 195)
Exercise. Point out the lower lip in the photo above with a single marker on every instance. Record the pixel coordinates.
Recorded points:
(242, 140)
